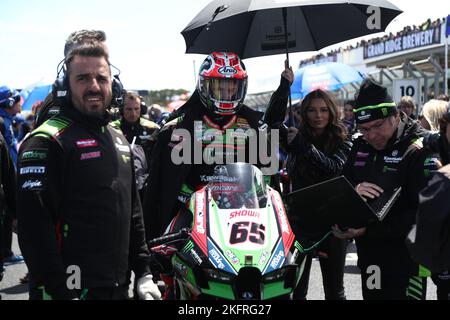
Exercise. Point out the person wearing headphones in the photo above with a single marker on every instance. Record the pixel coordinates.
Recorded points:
(7, 201)
(49, 108)
(10, 105)
(79, 216)
(133, 125)
(138, 132)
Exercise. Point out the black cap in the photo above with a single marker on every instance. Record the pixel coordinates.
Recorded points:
(373, 102)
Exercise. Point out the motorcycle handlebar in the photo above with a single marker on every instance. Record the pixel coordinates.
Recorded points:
(180, 235)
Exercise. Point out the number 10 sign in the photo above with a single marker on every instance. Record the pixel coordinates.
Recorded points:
(407, 87)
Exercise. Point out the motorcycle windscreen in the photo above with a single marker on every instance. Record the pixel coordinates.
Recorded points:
(238, 186)
(242, 223)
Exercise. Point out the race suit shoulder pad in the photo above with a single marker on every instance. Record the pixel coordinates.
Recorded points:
(173, 123)
(149, 124)
(417, 142)
(115, 125)
(52, 127)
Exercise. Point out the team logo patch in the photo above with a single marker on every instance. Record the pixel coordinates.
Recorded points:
(30, 170)
(32, 184)
(393, 159)
(90, 155)
(362, 154)
(123, 148)
(87, 143)
(364, 116)
(34, 155)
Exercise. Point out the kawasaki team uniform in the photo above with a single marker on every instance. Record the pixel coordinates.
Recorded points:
(142, 130)
(171, 184)
(403, 163)
(78, 208)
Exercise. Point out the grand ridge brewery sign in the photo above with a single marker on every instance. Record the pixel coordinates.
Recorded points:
(412, 40)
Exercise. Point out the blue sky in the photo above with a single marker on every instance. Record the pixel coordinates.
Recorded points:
(143, 36)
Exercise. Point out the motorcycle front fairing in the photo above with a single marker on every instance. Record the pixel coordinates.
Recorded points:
(241, 244)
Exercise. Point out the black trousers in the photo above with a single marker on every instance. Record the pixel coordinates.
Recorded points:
(442, 282)
(7, 233)
(332, 267)
(118, 293)
(394, 287)
(2, 220)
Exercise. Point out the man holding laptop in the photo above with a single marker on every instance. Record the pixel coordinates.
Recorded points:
(387, 155)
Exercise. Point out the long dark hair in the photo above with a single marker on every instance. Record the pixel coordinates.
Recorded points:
(335, 132)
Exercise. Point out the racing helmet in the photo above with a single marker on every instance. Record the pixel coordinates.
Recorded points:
(222, 83)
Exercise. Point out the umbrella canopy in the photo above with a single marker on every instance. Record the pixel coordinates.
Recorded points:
(327, 76)
(34, 94)
(253, 28)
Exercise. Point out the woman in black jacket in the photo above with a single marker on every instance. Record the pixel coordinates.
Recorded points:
(317, 151)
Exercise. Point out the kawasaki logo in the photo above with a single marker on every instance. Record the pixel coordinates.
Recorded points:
(227, 71)
(364, 117)
(393, 159)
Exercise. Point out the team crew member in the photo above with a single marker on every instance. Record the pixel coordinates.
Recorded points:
(8, 201)
(10, 105)
(49, 108)
(78, 210)
(134, 126)
(389, 154)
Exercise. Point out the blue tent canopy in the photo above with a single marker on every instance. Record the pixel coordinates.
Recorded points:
(328, 76)
(34, 94)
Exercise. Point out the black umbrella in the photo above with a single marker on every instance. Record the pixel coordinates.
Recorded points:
(254, 28)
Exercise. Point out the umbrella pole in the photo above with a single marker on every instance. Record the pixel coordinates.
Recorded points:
(291, 120)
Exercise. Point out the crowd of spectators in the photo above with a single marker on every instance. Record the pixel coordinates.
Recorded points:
(406, 30)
